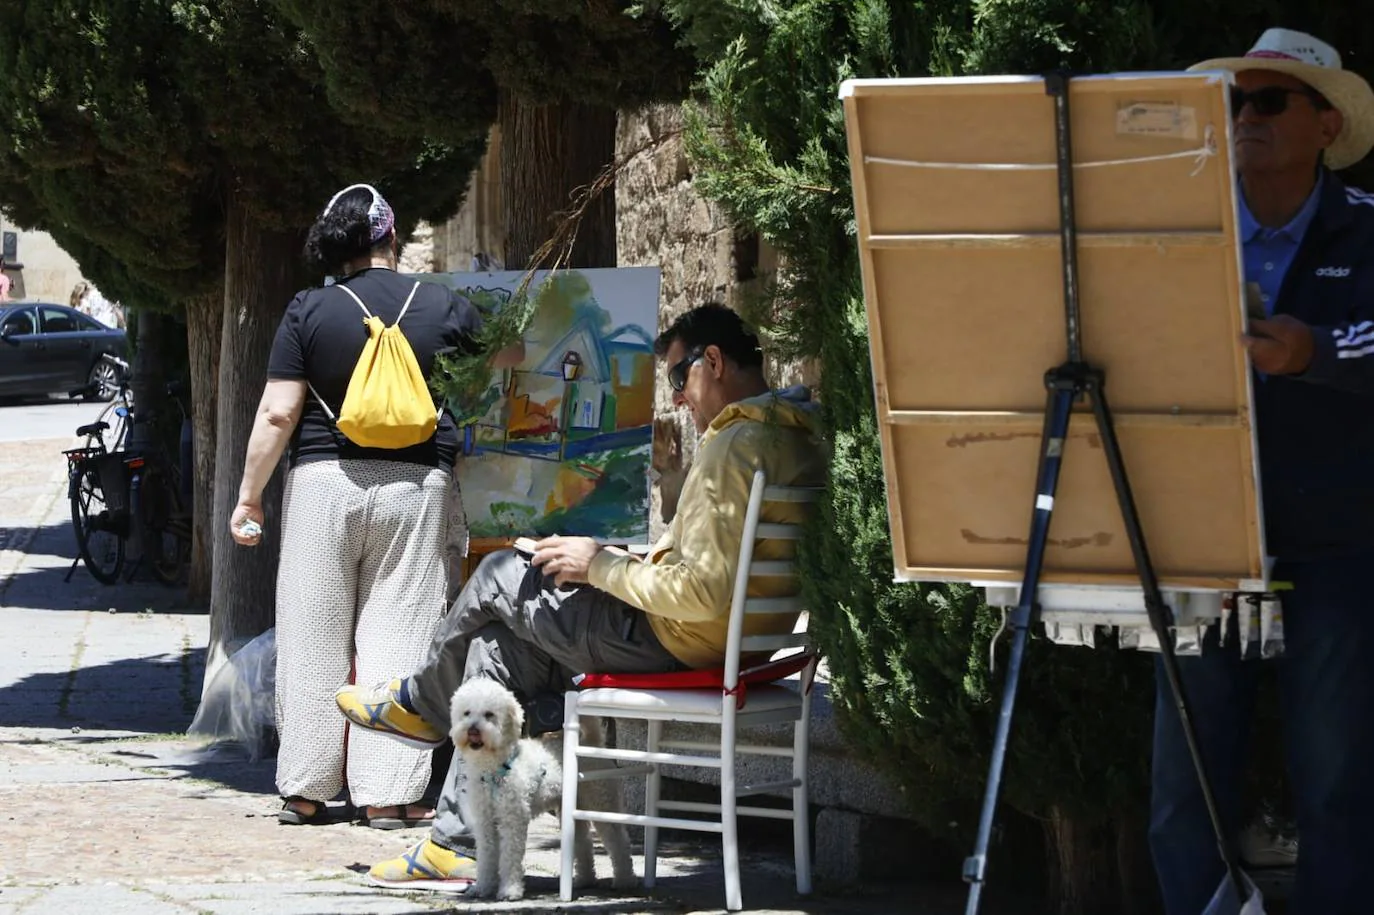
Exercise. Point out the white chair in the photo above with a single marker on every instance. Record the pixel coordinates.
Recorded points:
(728, 698)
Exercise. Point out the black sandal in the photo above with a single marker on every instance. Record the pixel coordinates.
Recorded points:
(289, 816)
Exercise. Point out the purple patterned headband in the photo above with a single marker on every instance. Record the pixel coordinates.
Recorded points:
(380, 218)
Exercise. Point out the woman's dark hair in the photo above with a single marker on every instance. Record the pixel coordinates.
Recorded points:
(713, 324)
(345, 231)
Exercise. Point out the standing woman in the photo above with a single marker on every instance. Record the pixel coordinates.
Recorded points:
(362, 578)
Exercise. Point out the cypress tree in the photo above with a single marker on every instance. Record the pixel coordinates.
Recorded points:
(551, 74)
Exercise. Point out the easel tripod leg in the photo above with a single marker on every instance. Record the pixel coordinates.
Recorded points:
(1160, 621)
(1051, 459)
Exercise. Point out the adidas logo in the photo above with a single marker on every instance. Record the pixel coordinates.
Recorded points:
(1336, 272)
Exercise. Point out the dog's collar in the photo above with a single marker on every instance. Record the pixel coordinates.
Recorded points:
(495, 778)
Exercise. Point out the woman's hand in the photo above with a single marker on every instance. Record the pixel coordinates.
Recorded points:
(250, 514)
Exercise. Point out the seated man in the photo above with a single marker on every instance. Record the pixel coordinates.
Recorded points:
(532, 623)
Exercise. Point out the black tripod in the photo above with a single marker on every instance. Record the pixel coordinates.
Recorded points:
(1067, 384)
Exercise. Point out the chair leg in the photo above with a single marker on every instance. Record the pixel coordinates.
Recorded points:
(651, 788)
(728, 820)
(568, 841)
(801, 808)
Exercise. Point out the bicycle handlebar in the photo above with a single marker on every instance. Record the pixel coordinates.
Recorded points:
(111, 357)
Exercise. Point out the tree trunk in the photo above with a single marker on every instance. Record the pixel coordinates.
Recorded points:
(548, 152)
(261, 274)
(1082, 865)
(204, 322)
(148, 379)
(1139, 888)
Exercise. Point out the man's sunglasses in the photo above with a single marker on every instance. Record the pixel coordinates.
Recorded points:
(1270, 101)
(677, 375)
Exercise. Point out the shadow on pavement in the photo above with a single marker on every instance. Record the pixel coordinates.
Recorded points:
(42, 582)
(152, 695)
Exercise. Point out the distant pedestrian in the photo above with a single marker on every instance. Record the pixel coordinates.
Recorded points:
(88, 300)
(78, 297)
(4, 282)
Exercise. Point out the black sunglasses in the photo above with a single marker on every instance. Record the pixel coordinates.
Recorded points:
(677, 375)
(1268, 102)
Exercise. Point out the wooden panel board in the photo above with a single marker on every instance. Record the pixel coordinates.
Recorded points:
(969, 496)
(956, 199)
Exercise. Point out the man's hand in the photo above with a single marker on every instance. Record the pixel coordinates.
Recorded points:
(565, 558)
(1281, 345)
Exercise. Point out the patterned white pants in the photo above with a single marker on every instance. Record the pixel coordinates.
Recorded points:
(362, 579)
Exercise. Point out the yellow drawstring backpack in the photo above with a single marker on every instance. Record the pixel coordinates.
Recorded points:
(387, 404)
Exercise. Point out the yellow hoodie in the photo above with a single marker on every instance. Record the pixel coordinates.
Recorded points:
(685, 583)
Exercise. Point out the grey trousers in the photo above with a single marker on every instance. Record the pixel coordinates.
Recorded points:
(512, 625)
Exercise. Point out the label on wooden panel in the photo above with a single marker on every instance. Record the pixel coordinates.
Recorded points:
(1157, 119)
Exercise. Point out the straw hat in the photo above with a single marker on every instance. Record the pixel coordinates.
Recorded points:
(1318, 65)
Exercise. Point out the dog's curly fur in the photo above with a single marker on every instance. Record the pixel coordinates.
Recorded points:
(511, 780)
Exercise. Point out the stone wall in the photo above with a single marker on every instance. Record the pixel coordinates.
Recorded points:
(474, 239)
(662, 221)
(417, 256)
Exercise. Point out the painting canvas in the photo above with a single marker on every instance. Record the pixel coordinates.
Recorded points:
(561, 443)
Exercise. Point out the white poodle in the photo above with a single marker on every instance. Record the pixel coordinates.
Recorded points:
(511, 780)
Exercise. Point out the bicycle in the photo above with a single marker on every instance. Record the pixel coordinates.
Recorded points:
(121, 494)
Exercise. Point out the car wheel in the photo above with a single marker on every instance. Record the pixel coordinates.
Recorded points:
(103, 382)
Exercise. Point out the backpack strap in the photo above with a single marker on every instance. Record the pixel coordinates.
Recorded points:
(354, 295)
(406, 307)
(328, 412)
(439, 411)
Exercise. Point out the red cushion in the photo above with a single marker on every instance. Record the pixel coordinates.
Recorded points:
(713, 678)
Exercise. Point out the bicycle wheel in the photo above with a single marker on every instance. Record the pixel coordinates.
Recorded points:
(166, 528)
(98, 541)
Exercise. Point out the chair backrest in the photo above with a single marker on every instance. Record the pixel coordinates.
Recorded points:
(743, 606)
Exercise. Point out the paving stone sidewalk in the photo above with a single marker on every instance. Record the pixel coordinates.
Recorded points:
(106, 806)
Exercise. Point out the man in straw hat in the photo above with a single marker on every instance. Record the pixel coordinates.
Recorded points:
(1308, 244)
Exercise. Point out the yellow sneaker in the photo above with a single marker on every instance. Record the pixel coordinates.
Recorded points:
(376, 709)
(427, 866)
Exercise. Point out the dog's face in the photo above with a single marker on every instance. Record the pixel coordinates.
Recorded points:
(486, 720)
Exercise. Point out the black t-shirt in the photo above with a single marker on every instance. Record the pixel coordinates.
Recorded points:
(322, 334)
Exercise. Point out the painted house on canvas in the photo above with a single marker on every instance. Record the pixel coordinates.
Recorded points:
(610, 379)
(564, 444)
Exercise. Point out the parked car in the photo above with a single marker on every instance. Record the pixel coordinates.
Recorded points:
(52, 349)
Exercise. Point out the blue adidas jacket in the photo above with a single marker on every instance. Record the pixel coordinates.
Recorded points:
(1316, 430)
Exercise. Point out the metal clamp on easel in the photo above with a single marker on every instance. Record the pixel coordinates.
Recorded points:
(1066, 384)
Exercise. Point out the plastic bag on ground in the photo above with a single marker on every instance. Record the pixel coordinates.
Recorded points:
(239, 706)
